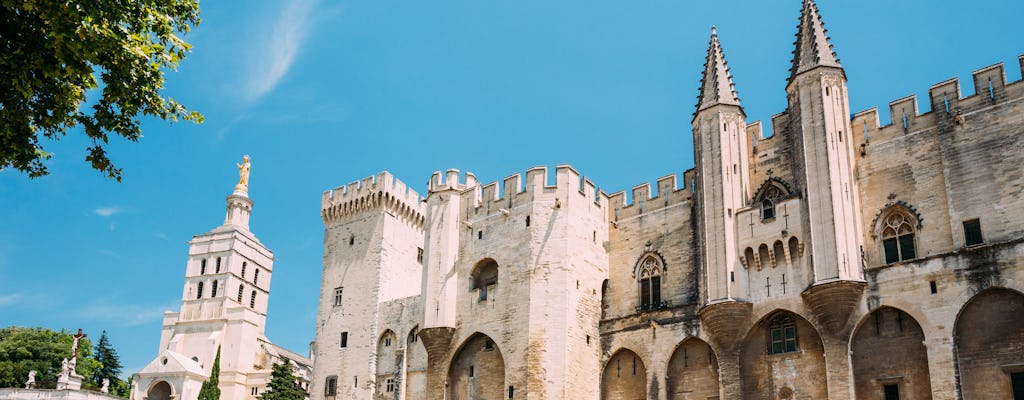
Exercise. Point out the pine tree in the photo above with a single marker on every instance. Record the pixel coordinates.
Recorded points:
(111, 364)
(210, 389)
(283, 385)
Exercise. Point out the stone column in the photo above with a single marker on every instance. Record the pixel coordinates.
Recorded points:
(437, 341)
(837, 365)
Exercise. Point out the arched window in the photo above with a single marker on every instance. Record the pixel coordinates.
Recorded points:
(241, 288)
(898, 237)
(484, 275)
(769, 195)
(202, 267)
(782, 335)
(767, 209)
(213, 290)
(199, 290)
(252, 300)
(649, 278)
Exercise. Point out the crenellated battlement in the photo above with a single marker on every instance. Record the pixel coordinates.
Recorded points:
(450, 181)
(535, 185)
(948, 106)
(381, 190)
(642, 200)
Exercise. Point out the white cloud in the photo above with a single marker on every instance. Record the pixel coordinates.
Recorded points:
(274, 60)
(107, 211)
(10, 299)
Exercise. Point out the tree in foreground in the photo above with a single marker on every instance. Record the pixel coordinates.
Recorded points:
(210, 389)
(283, 384)
(98, 65)
(40, 349)
(110, 364)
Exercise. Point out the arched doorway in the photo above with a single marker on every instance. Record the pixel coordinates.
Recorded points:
(889, 357)
(389, 362)
(159, 391)
(783, 356)
(624, 377)
(692, 371)
(988, 334)
(477, 371)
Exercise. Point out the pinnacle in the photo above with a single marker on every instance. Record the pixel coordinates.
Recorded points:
(813, 48)
(716, 86)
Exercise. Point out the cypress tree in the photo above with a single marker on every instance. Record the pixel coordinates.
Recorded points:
(210, 389)
(283, 385)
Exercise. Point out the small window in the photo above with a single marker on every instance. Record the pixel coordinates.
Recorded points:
(767, 209)
(484, 275)
(768, 199)
(472, 371)
(243, 269)
(199, 290)
(351, 240)
(241, 288)
(489, 345)
(202, 267)
(527, 221)
(782, 335)
(389, 385)
(1017, 385)
(972, 232)
(891, 392)
(217, 269)
(419, 255)
(331, 386)
(511, 391)
(252, 300)
(480, 234)
(213, 290)
(344, 339)
(387, 341)
(256, 277)
(254, 391)
(413, 335)
(337, 296)
(935, 289)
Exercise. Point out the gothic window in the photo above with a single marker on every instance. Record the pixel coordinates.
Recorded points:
(767, 209)
(898, 237)
(252, 300)
(331, 386)
(199, 290)
(337, 296)
(650, 283)
(484, 276)
(202, 267)
(413, 335)
(241, 288)
(213, 290)
(769, 196)
(782, 335)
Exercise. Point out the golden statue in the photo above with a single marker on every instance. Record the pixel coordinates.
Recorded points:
(243, 172)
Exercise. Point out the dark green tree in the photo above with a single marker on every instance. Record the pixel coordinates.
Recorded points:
(210, 389)
(40, 349)
(110, 367)
(94, 64)
(283, 384)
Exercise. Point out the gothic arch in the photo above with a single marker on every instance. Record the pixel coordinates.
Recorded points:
(477, 370)
(886, 349)
(692, 371)
(160, 390)
(483, 277)
(772, 188)
(624, 377)
(650, 255)
(783, 349)
(899, 206)
(415, 363)
(389, 362)
(987, 337)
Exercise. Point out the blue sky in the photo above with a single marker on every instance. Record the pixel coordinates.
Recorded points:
(323, 93)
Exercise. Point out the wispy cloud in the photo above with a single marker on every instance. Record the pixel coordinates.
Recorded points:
(107, 211)
(121, 313)
(281, 48)
(11, 299)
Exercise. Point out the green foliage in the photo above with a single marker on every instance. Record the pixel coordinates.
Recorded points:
(210, 389)
(110, 364)
(56, 53)
(40, 349)
(283, 384)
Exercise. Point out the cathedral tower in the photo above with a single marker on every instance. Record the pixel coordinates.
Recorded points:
(720, 146)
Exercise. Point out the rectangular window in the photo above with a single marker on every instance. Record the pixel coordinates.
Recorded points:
(907, 247)
(656, 291)
(199, 290)
(892, 250)
(202, 267)
(892, 392)
(240, 289)
(337, 296)
(511, 391)
(389, 385)
(790, 336)
(331, 387)
(419, 255)
(776, 341)
(252, 300)
(217, 269)
(645, 294)
(471, 371)
(256, 277)
(1017, 385)
(344, 339)
(972, 232)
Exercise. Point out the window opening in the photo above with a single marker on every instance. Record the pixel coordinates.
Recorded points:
(934, 287)
(1017, 385)
(337, 295)
(650, 284)
(484, 275)
(216, 269)
(527, 225)
(945, 102)
(252, 300)
(199, 290)
(892, 392)
(389, 385)
(511, 390)
(419, 255)
(768, 200)
(898, 238)
(351, 240)
(472, 371)
(256, 277)
(241, 288)
(331, 387)
(782, 335)
(480, 234)
(344, 339)
(489, 345)
(991, 90)
(202, 267)
(213, 290)
(972, 232)
(243, 269)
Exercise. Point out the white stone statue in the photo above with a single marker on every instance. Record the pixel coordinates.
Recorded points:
(64, 368)
(243, 172)
(106, 386)
(31, 383)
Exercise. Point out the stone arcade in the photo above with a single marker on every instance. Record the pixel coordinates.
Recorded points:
(838, 258)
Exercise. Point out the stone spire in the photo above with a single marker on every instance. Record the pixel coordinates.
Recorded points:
(716, 85)
(812, 43)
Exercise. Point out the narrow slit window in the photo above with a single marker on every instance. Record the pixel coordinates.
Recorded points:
(252, 300)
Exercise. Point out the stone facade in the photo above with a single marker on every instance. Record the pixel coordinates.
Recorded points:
(838, 258)
(223, 306)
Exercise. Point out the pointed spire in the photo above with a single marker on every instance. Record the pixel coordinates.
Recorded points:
(716, 85)
(813, 48)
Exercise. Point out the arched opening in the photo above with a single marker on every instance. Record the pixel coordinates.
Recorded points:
(477, 371)
(780, 254)
(794, 251)
(783, 350)
(415, 364)
(988, 336)
(692, 371)
(889, 357)
(649, 279)
(389, 363)
(484, 277)
(624, 377)
(762, 253)
(749, 255)
(159, 391)
(604, 298)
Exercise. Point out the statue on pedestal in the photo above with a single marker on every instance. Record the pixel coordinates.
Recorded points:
(31, 383)
(243, 174)
(106, 386)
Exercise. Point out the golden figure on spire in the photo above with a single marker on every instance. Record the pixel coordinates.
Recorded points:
(243, 173)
